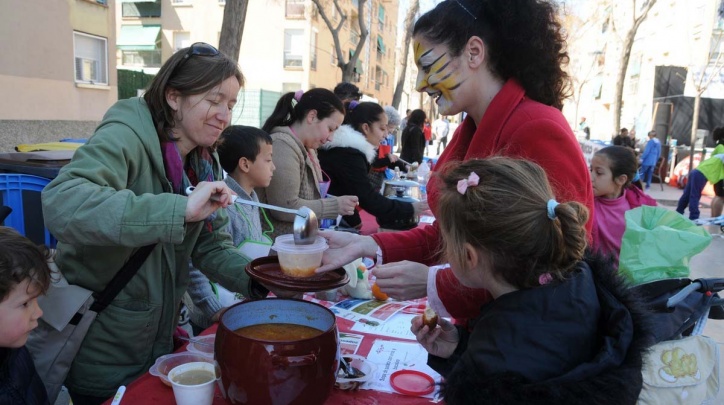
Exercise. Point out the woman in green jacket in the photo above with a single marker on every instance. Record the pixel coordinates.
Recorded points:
(123, 190)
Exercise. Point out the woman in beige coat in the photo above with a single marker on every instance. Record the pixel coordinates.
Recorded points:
(299, 125)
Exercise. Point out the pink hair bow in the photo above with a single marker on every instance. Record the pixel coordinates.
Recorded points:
(463, 184)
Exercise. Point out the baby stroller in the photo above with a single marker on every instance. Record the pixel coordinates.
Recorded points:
(683, 366)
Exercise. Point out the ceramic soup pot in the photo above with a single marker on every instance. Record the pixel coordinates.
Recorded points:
(278, 372)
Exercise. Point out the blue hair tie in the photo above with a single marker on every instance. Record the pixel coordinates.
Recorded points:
(352, 104)
(552, 204)
(637, 176)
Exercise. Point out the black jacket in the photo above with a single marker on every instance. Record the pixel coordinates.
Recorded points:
(19, 383)
(346, 160)
(575, 342)
(413, 144)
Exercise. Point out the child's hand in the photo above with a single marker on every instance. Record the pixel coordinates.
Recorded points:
(441, 341)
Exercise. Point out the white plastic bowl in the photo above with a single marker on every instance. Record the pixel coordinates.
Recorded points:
(299, 260)
(363, 365)
(203, 345)
(166, 363)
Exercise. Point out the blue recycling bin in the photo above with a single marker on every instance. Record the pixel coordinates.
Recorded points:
(21, 182)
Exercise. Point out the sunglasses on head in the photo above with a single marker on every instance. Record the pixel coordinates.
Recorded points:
(198, 49)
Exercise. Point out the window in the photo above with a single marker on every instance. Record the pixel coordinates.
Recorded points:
(293, 48)
(141, 58)
(142, 9)
(91, 58)
(181, 39)
(295, 9)
(313, 51)
(381, 18)
(378, 77)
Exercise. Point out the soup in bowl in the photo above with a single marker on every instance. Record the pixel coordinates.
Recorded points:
(277, 351)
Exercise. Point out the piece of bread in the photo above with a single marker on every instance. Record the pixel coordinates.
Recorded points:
(429, 318)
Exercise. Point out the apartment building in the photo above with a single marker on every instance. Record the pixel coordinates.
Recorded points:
(55, 74)
(286, 44)
(675, 34)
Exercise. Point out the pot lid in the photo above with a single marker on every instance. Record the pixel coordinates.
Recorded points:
(412, 382)
(405, 183)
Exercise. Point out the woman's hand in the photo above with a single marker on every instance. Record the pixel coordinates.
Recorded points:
(345, 247)
(420, 206)
(441, 341)
(201, 204)
(393, 158)
(346, 204)
(404, 280)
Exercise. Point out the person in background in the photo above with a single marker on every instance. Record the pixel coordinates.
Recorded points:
(623, 139)
(711, 170)
(501, 63)
(348, 157)
(487, 210)
(347, 92)
(245, 153)
(385, 158)
(718, 201)
(427, 131)
(613, 168)
(24, 275)
(413, 139)
(299, 125)
(440, 129)
(583, 127)
(403, 125)
(650, 157)
(126, 189)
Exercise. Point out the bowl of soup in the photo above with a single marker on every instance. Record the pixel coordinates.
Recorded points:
(277, 351)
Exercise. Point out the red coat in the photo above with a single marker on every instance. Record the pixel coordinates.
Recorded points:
(514, 126)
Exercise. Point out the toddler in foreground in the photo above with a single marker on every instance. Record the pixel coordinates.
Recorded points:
(560, 329)
(24, 275)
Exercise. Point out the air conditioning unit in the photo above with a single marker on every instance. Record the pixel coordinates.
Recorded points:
(86, 70)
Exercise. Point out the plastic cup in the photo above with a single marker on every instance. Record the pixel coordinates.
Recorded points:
(299, 260)
(199, 392)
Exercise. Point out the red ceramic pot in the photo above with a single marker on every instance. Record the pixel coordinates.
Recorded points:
(277, 372)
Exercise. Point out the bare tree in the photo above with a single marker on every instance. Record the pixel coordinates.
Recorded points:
(348, 68)
(708, 73)
(232, 27)
(409, 25)
(628, 42)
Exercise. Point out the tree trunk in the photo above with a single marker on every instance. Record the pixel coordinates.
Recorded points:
(623, 67)
(694, 127)
(409, 25)
(232, 28)
(347, 68)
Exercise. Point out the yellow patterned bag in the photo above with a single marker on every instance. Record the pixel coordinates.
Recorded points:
(684, 371)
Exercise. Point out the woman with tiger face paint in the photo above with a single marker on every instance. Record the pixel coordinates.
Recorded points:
(499, 61)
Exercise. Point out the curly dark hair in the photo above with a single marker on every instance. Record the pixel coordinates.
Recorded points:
(20, 260)
(523, 38)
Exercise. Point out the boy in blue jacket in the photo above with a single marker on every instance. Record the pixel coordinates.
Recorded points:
(650, 157)
(24, 275)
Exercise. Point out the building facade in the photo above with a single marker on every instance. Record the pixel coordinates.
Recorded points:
(285, 46)
(674, 34)
(55, 74)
